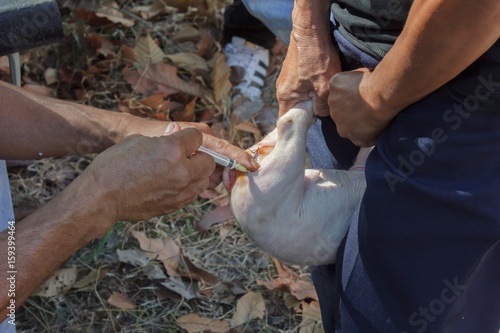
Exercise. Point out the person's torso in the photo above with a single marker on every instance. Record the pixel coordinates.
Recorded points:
(371, 25)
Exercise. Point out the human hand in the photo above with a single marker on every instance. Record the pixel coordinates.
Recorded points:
(154, 128)
(310, 62)
(144, 177)
(355, 109)
(223, 147)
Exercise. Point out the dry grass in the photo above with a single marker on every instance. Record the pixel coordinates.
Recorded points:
(224, 250)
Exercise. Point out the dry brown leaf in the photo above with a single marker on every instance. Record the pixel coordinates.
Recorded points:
(187, 114)
(158, 105)
(220, 78)
(111, 11)
(311, 310)
(160, 78)
(148, 52)
(311, 326)
(250, 306)
(187, 290)
(140, 108)
(301, 289)
(216, 215)
(289, 281)
(205, 45)
(248, 127)
(284, 270)
(94, 277)
(169, 253)
(128, 54)
(156, 8)
(194, 323)
(188, 61)
(187, 33)
(139, 258)
(290, 301)
(121, 301)
(225, 229)
(101, 44)
(61, 281)
(162, 249)
(311, 318)
(145, 86)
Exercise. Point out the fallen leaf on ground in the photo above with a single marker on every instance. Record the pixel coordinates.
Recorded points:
(139, 258)
(250, 306)
(162, 249)
(311, 318)
(156, 8)
(186, 33)
(160, 78)
(187, 114)
(248, 127)
(101, 44)
(148, 52)
(188, 61)
(111, 11)
(206, 43)
(187, 290)
(220, 78)
(121, 301)
(194, 323)
(61, 281)
(93, 277)
(169, 253)
(290, 282)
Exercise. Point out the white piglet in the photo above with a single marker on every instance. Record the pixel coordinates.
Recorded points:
(295, 214)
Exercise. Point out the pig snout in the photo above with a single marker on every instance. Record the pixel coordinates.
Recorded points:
(298, 216)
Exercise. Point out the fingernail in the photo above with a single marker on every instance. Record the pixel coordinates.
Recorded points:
(255, 164)
(169, 128)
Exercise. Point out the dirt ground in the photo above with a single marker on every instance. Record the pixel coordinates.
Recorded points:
(219, 281)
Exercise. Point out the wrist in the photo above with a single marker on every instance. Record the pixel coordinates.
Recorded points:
(87, 201)
(375, 96)
(311, 16)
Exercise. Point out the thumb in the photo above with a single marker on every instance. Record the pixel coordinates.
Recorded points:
(320, 107)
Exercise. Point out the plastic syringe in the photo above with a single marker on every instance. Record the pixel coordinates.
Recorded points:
(223, 160)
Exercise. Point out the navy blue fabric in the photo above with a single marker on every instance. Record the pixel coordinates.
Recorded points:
(425, 256)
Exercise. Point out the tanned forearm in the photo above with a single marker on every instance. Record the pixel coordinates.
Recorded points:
(440, 39)
(311, 15)
(45, 127)
(46, 238)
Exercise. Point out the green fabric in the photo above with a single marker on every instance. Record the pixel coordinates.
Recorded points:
(371, 25)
